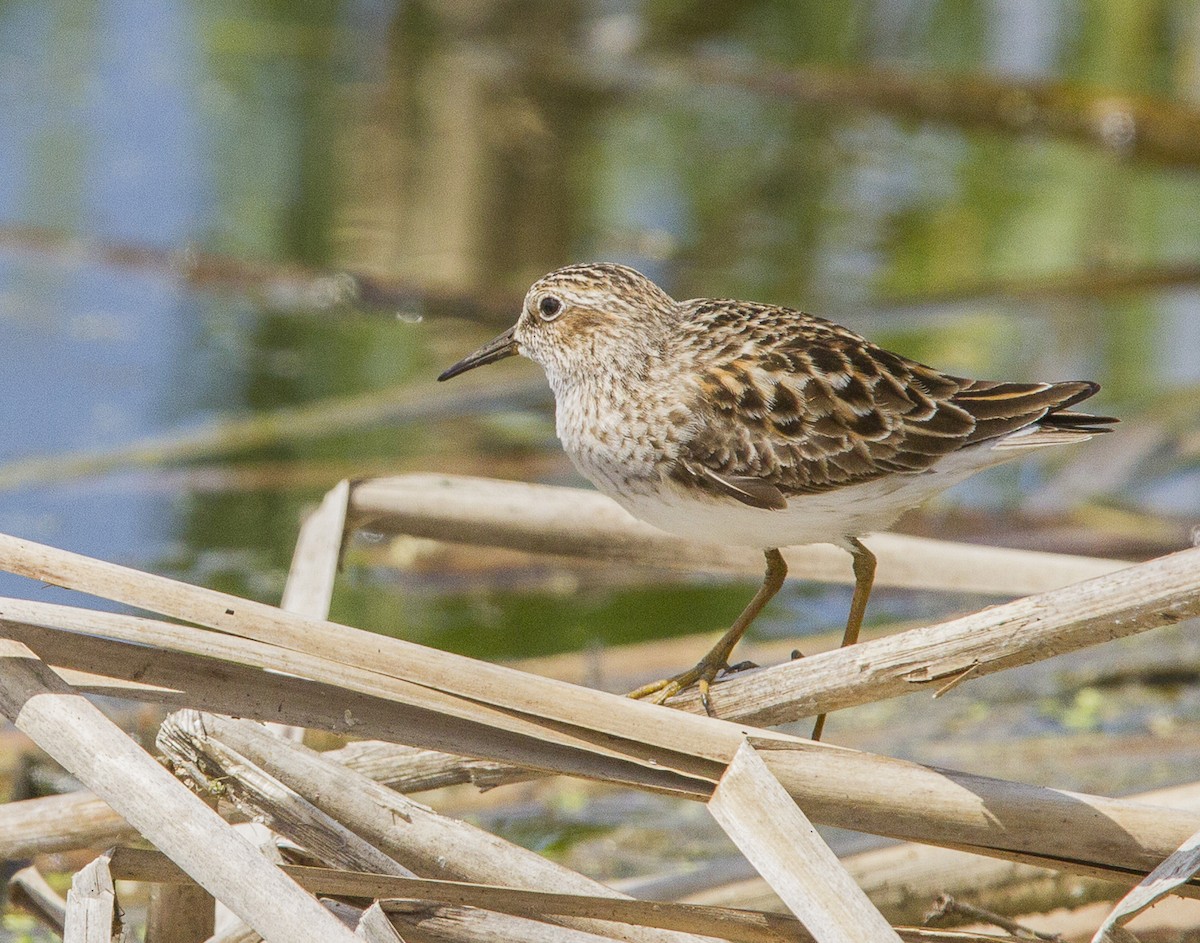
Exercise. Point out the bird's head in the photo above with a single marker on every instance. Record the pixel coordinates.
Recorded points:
(576, 317)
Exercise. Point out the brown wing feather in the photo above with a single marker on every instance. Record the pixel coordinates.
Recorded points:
(805, 406)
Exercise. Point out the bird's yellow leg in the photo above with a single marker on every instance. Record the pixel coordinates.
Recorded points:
(710, 665)
(864, 579)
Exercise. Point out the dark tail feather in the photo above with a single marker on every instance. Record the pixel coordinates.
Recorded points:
(1001, 409)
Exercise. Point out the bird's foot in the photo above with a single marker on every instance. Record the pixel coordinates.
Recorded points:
(702, 675)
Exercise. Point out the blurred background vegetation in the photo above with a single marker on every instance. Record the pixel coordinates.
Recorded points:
(239, 239)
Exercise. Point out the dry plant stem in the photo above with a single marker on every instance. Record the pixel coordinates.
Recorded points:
(573, 522)
(423, 922)
(1160, 592)
(1174, 871)
(78, 736)
(92, 913)
(179, 913)
(613, 738)
(430, 844)
(309, 587)
(776, 837)
(901, 880)
(30, 891)
(449, 924)
(374, 927)
(833, 785)
(138, 864)
(885, 781)
(946, 906)
(59, 823)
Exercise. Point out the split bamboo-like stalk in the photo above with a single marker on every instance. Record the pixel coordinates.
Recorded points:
(575, 522)
(92, 914)
(87, 743)
(777, 838)
(309, 586)
(375, 927)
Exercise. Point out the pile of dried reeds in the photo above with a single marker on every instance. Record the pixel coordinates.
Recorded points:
(389, 868)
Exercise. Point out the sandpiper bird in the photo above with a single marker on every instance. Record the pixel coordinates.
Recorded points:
(752, 424)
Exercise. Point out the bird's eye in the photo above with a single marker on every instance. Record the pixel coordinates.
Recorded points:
(550, 308)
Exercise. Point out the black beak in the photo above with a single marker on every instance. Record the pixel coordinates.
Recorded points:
(503, 346)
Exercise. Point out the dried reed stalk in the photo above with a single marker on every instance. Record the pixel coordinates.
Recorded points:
(503, 714)
(30, 891)
(741, 926)
(575, 522)
(77, 735)
(92, 915)
(352, 822)
(777, 838)
(833, 785)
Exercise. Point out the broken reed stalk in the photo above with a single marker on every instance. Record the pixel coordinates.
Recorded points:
(575, 522)
(742, 926)
(295, 694)
(30, 891)
(375, 927)
(92, 915)
(350, 821)
(1136, 599)
(75, 733)
(419, 899)
(1160, 592)
(833, 785)
(778, 839)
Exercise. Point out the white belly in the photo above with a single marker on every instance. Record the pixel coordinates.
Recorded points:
(828, 517)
